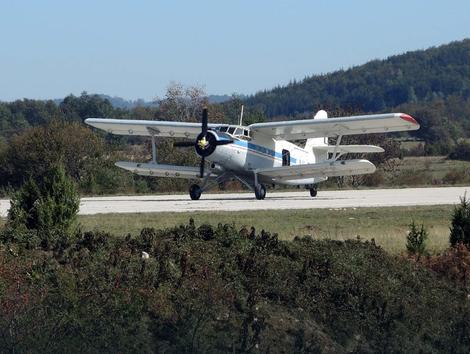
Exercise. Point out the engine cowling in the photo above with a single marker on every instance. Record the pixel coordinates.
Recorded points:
(206, 145)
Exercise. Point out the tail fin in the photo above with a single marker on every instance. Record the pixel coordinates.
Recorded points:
(320, 154)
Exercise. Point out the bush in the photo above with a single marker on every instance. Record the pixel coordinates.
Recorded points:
(416, 240)
(455, 176)
(453, 264)
(461, 151)
(49, 207)
(460, 228)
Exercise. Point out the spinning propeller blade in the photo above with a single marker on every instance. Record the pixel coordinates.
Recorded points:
(201, 167)
(184, 144)
(204, 121)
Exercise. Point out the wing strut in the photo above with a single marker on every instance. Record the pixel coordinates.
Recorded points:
(334, 157)
(154, 145)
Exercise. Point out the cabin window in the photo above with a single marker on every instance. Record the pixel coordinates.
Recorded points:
(285, 157)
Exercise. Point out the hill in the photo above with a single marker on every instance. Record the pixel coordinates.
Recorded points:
(433, 84)
(418, 76)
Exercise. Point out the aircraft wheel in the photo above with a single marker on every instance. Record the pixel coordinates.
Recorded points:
(260, 191)
(313, 192)
(195, 192)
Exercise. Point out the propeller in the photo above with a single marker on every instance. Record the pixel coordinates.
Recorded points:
(206, 142)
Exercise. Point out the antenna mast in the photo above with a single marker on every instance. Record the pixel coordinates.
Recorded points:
(241, 116)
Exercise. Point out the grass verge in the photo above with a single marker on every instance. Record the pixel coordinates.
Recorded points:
(387, 226)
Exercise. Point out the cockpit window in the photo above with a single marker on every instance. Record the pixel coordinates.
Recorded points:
(231, 130)
(223, 129)
(238, 131)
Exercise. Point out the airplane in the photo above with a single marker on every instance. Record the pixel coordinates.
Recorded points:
(261, 153)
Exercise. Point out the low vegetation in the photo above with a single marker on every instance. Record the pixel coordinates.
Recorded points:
(219, 289)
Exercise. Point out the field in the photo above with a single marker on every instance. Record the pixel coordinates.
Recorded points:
(428, 170)
(387, 226)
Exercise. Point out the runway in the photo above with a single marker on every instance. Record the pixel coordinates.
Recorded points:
(274, 200)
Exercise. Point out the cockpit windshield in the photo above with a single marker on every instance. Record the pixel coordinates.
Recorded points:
(235, 131)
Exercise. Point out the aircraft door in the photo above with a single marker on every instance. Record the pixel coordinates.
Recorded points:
(285, 157)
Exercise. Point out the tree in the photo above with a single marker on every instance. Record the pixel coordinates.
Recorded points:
(182, 103)
(460, 228)
(85, 106)
(36, 150)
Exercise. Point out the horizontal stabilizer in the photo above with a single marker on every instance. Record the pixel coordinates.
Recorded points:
(321, 169)
(350, 149)
(157, 170)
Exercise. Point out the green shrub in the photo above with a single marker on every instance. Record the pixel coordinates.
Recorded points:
(50, 207)
(416, 240)
(460, 228)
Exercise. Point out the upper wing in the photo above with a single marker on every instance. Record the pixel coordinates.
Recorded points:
(315, 128)
(321, 169)
(148, 127)
(157, 170)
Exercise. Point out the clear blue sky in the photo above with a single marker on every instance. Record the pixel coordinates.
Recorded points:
(134, 49)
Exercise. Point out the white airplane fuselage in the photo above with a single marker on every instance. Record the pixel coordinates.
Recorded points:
(244, 157)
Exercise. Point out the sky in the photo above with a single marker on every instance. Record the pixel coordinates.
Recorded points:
(135, 49)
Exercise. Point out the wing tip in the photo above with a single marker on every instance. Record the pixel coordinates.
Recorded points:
(409, 118)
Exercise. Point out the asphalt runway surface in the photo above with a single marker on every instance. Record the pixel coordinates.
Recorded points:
(274, 200)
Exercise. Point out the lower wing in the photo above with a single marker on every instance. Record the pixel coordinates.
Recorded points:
(350, 149)
(157, 170)
(321, 169)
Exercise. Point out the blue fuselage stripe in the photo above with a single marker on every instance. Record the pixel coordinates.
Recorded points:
(263, 150)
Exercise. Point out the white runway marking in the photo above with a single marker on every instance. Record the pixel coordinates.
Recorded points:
(274, 200)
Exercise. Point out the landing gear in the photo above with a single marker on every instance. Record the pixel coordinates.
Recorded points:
(313, 191)
(195, 192)
(260, 191)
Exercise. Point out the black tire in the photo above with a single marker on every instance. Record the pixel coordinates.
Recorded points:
(260, 191)
(195, 192)
(313, 192)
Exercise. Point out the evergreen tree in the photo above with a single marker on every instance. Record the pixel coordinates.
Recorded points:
(416, 240)
(460, 228)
